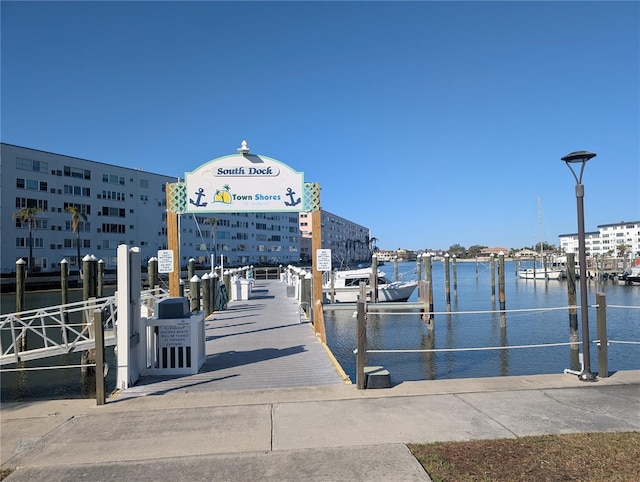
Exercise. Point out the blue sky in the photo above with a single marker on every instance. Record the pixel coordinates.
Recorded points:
(431, 123)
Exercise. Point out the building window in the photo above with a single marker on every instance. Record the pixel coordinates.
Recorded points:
(31, 165)
(77, 172)
(113, 179)
(23, 202)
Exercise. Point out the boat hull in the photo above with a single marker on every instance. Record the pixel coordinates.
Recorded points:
(392, 292)
(540, 274)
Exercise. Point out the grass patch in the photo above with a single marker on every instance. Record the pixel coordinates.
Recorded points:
(585, 457)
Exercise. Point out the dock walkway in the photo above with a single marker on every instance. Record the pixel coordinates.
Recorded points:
(260, 343)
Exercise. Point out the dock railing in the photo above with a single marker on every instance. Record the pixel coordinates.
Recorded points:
(56, 330)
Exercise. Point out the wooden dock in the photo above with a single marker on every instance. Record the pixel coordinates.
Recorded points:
(260, 343)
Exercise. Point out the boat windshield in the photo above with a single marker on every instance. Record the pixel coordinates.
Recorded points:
(356, 281)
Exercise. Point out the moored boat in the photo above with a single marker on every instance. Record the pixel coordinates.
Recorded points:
(345, 286)
(539, 273)
(630, 275)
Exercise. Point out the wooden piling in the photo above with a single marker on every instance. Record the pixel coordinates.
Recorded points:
(100, 288)
(429, 279)
(572, 300)
(194, 292)
(152, 272)
(501, 292)
(64, 281)
(21, 275)
(492, 263)
(396, 277)
(191, 268)
(213, 294)
(455, 277)
(98, 329)
(603, 340)
(447, 282)
(374, 279)
(361, 343)
(206, 286)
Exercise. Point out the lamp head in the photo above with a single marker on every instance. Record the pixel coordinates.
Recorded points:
(579, 156)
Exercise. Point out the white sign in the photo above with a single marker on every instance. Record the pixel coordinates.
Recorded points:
(323, 260)
(174, 335)
(165, 261)
(244, 183)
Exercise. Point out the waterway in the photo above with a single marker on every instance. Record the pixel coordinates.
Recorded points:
(389, 331)
(408, 332)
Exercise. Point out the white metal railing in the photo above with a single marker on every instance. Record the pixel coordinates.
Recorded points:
(55, 330)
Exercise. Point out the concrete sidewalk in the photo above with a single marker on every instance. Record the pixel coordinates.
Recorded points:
(333, 432)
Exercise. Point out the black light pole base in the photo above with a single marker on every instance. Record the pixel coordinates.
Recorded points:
(587, 377)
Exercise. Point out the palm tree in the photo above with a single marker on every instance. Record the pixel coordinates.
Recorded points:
(29, 216)
(76, 216)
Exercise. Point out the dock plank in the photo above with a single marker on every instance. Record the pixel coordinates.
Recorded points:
(259, 343)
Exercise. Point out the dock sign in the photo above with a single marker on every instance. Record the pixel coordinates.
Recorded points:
(323, 260)
(244, 182)
(165, 261)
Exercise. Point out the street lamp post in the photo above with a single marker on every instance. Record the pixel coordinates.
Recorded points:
(581, 157)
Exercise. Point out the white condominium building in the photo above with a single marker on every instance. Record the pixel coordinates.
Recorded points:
(120, 205)
(607, 240)
(348, 241)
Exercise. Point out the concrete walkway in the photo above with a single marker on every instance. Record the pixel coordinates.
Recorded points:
(240, 420)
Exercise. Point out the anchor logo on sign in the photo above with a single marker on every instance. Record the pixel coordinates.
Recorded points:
(293, 202)
(198, 203)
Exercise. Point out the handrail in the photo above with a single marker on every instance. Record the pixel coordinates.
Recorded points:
(56, 330)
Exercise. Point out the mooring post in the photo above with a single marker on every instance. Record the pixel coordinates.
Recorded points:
(501, 293)
(21, 275)
(418, 269)
(396, 276)
(429, 278)
(361, 342)
(64, 281)
(571, 293)
(206, 286)
(447, 282)
(98, 330)
(476, 267)
(214, 278)
(194, 292)
(152, 272)
(455, 277)
(603, 340)
(226, 279)
(86, 278)
(100, 291)
(374, 279)
(492, 263)
(181, 288)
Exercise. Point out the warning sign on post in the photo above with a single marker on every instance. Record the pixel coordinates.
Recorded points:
(323, 260)
(165, 261)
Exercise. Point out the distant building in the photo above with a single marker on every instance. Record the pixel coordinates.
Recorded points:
(122, 206)
(487, 252)
(606, 240)
(526, 254)
(349, 242)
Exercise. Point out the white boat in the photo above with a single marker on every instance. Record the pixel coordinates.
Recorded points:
(345, 286)
(542, 272)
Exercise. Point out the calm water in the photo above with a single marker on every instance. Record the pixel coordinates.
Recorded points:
(403, 331)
